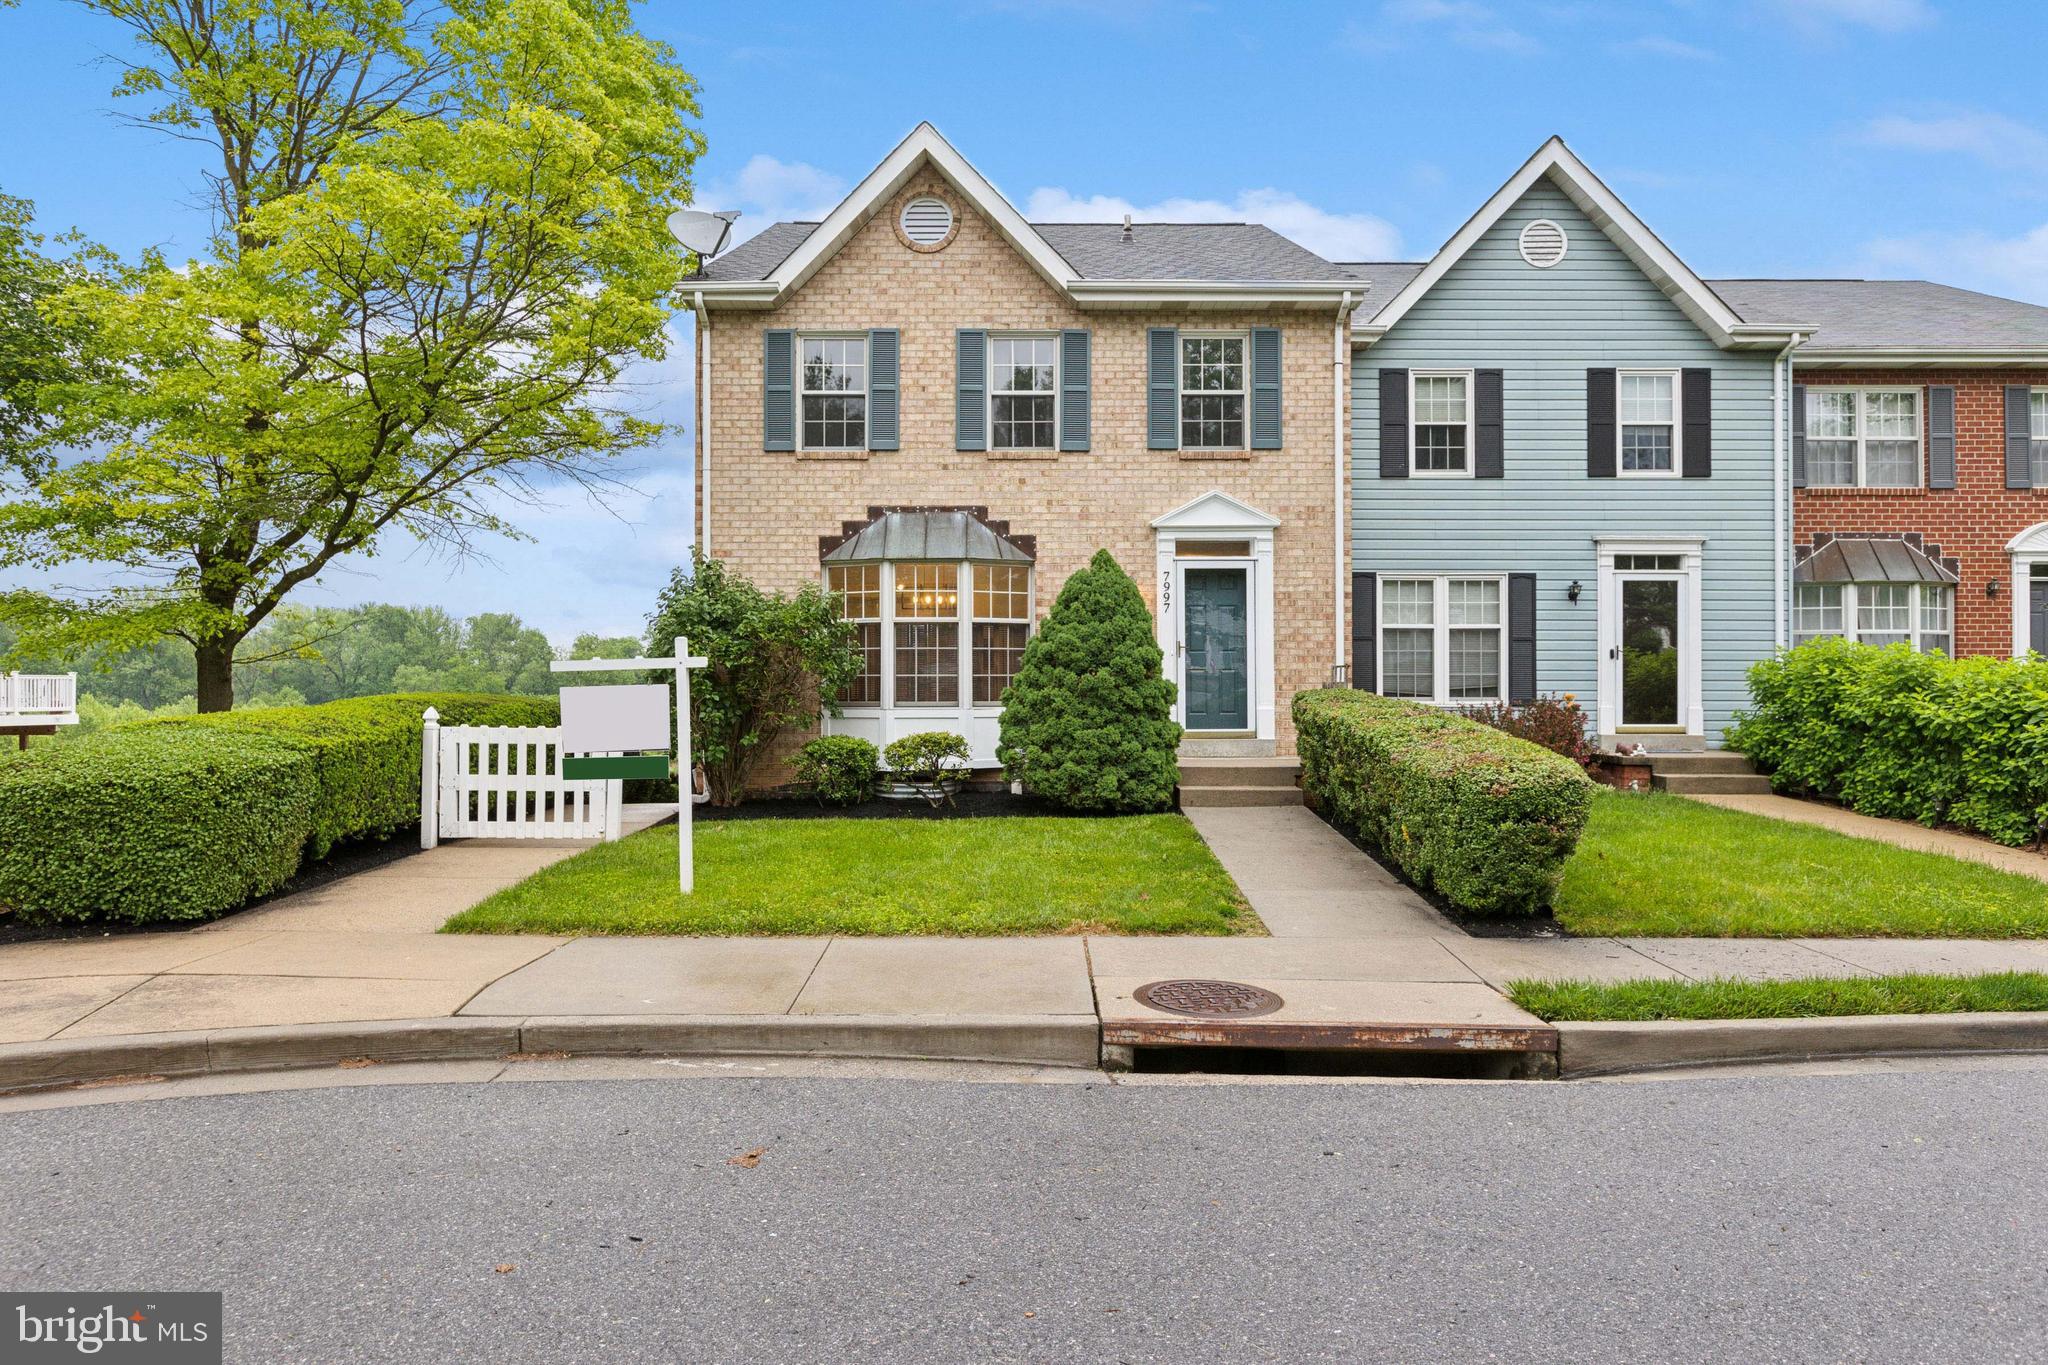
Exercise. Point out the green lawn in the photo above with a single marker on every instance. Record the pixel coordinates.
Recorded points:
(1144, 874)
(1806, 999)
(1655, 865)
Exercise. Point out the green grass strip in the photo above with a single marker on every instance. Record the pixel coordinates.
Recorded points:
(1807, 998)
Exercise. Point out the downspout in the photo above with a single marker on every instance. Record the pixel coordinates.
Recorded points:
(703, 427)
(1781, 490)
(1340, 567)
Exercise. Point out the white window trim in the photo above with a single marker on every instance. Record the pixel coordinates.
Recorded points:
(1181, 392)
(1850, 602)
(2036, 392)
(989, 384)
(1216, 515)
(2028, 548)
(1415, 470)
(1440, 629)
(1677, 378)
(1862, 438)
(867, 380)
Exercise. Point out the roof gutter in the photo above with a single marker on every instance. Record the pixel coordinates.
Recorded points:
(1924, 355)
(703, 425)
(1340, 506)
(1782, 525)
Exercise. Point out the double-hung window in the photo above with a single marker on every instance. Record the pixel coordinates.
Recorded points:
(2037, 433)
(1647, 406)
(1002, 627)
(858, 590)
(1918, 614)
(1440, 420)
(927, 633)
(835, 392)
(1021, 386)
(1212, 389)
(1862, 438)
(1442, 639)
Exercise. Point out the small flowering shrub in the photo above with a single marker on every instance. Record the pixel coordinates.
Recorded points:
(1557, 723)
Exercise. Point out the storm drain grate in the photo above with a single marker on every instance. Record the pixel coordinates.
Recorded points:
(1208, 999)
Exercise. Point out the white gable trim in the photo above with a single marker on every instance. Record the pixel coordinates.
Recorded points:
(1215, 510)
(923, 145)
(1606, 211)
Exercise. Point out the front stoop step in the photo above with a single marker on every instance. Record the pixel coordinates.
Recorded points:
(1715, 772)
(1240, 782)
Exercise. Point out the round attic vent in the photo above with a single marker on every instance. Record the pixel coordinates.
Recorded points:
(1543, 244)
(927, 223)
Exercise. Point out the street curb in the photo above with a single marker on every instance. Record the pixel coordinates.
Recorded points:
(1037, 1039)
(1606, 1049)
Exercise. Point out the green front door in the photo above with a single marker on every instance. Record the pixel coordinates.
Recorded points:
(1216, 640)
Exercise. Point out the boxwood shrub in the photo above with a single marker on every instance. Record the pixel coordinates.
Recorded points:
(1483, 819)
(189, 817)
(152, 824)
(1910, 736)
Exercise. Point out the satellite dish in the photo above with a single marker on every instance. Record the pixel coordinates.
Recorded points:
(703, 233)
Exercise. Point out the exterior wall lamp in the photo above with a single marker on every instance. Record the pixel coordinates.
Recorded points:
(1572, 593)
(1991, 588)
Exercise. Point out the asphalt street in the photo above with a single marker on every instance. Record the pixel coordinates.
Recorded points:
(1796, 1217)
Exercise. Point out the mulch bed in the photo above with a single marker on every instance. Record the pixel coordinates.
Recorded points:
(343, 860)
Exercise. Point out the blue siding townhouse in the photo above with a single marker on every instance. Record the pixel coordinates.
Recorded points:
(1569, 469)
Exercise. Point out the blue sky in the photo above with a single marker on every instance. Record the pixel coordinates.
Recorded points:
(1769, 137)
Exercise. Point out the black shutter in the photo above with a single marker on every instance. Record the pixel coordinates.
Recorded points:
(1799, 435)
(1393, 424)
(1941, 436)
(1364, 622)
(1599, 424)
(1521, 637)
(1697, 444)
(2018, 433)
(1489, 456)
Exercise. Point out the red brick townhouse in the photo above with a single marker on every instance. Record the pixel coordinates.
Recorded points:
(1919, 463)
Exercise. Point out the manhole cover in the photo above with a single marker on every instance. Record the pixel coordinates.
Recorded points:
(1208, 999)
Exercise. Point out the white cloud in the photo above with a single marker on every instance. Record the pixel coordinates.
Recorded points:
(1333, 236)
(1886, 16)
(2016, 267)
(1994, 139)
(1466, 22)
(767, 190)
(1655, 45)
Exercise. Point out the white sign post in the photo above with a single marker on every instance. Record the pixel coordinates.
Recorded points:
(621, 718)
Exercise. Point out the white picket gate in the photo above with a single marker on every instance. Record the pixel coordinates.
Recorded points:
(504, 782)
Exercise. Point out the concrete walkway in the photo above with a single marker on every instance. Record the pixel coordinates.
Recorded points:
(1351, 947)
(1904, 833)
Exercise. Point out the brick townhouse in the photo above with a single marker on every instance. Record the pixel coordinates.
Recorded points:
(1550, 458)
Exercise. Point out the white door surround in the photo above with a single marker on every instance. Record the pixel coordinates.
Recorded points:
(1212, 517)
(2028, 548)
(1691, 708)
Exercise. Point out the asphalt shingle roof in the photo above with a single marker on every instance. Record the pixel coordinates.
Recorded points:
(1384, 279)
(1097, 251)
(1870, 314)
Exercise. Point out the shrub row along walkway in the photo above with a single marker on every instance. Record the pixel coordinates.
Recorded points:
(1349, 945)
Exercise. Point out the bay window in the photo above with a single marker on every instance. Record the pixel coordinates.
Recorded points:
(927, 633)
(1862, 438)
(1918, 614)
(1002, 627)
(1442, 638)
(858, 590)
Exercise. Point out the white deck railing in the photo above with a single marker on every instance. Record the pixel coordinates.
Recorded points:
(39, 698)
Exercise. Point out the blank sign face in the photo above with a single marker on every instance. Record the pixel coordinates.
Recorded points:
(605, 720)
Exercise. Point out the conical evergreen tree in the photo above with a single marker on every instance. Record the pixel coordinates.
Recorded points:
(1088, 720)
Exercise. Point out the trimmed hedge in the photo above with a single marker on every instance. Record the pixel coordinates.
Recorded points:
(189, 817)
(152, 824)
(1910, 736)
(1480, 818)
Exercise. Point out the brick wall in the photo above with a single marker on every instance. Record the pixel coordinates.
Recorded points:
(1972, 521)
(768, 510)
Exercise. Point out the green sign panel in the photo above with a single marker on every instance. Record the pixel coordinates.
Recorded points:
(603, 767)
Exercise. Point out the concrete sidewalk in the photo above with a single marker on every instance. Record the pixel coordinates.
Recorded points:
(1351, 947)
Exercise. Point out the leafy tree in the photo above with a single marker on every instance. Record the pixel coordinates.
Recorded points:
(36, 347)
(438, 242)
(1088, 720)
(590, 645)
(774, 661)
